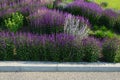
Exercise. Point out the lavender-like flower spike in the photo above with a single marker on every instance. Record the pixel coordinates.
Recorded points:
(24, 6)
(28, 39)
(47, 18)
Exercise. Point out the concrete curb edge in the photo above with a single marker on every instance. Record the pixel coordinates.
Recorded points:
(31, 66)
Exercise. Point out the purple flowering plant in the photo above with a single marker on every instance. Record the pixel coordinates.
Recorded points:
(90, 10)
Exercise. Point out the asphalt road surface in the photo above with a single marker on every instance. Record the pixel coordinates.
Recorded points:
(60, 76)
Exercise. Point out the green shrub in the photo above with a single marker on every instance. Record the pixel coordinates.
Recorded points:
(110, 34)
(111, 50)
(15, 22)
(117, 57)
(103, 28)
(102, 32)
(78, 55)
(107, 21)
(61, 6)
(95, 27)
(2, 52)
(36, 52)
(108, 18)
(90, 49)
(88, 0)
(50, 6)
(104, 4)
(25, 53)
(54, 47)
(69, 53)
(99, 34)
(7, 52)
(49, 52)
(117, 25)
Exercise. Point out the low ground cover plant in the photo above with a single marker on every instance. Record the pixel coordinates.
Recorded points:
(68, 31)
(102, 32)
(14, 22)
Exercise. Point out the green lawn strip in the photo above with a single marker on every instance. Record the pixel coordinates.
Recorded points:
(115, 4)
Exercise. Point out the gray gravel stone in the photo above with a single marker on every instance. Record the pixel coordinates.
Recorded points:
(60, 76)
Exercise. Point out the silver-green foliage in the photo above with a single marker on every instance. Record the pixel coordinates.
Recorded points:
(76, 27)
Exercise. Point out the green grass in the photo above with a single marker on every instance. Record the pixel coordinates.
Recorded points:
(67, 1)
(115, 4)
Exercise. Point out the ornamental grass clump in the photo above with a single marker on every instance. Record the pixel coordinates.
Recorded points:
(89, 10)
(77, 26)
(111, 50)
(47, 21)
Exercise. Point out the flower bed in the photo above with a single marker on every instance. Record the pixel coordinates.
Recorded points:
(83, 31)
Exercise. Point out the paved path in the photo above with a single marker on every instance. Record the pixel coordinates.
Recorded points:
(60, 76)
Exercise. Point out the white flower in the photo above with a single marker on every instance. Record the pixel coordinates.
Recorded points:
(74, 26)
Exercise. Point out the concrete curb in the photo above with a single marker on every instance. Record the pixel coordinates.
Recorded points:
(26, 66)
